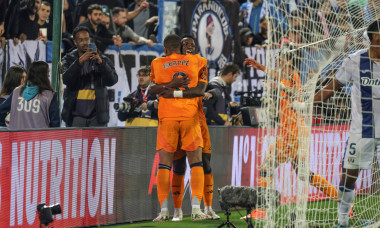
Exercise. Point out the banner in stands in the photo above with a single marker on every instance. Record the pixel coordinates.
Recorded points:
(214, 25)
(252, 78)
(25, 53)
(105, 176)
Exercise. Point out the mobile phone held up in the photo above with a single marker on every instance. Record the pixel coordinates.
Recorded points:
(91, 47)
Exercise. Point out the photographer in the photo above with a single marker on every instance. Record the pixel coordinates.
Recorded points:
(139, 108)
(86, 73)
(218, 103)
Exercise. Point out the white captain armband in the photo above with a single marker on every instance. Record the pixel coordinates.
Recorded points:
(178, 93)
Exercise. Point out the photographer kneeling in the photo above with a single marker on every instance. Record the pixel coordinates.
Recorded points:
(139, 108)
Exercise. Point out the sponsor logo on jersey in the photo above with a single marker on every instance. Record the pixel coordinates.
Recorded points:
(365, 81)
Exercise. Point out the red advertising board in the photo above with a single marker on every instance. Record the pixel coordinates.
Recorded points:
(109, 176)
(74, 168)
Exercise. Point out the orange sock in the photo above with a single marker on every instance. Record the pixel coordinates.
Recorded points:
(208, 191)
(163, 185)
(197, 182)
(177, 189)
(323, 185)
(264, 181)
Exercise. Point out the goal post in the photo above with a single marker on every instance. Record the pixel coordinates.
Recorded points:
(307, 45)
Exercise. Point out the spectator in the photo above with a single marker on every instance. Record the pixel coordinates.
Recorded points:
(262, 36)
(251, 14)
(219, 104)
(143, 106)
(124, 31)
(98, 32)
(246, 36)
(24, 22)
(43, 21)
(33, 104)
(371, 11)
(3, 9)
(86, 74)
(14, 77)
(144, 23)
(87, 3)
(106, 21)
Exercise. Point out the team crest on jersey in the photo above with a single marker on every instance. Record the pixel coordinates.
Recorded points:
(210, 27)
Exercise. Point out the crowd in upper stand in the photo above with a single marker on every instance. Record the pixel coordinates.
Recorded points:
(300, 23)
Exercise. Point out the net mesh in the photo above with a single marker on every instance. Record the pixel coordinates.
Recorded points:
(303, 144)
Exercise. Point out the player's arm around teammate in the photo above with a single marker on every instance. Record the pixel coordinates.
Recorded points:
(177, 121)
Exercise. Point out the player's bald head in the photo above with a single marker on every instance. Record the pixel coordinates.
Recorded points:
(172, 42)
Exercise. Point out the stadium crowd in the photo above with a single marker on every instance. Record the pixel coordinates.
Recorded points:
(114, 22)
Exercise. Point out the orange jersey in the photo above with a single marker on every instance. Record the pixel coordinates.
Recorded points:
(203, 77)
(288, 117)
(162, 71)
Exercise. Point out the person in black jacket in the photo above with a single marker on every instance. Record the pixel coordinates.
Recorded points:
(22, 22)
(218, 107)
(86, 75)
(98, 32)
(142, 104)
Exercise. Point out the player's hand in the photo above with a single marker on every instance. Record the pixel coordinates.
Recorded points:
(166, 92)
(253, 63)
(207, 96)
(155, 104)
(178, 81)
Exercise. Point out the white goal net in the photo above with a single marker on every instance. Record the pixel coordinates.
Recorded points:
(308, 43)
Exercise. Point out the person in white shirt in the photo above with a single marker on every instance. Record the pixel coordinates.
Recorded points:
(363, 70)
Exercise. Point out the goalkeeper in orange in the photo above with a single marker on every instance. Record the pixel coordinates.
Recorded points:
(285, 149)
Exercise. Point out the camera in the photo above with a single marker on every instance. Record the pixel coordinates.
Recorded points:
(91, 47)
(46, 212)
(130, 103)
(248, 98)
(122, 107)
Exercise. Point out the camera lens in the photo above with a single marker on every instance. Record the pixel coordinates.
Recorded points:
(56, 209)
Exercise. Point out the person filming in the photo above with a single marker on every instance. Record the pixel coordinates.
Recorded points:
(139, 108)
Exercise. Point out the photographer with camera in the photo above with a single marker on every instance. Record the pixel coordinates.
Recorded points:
(139, 108)
(218, 103)
(86, 74)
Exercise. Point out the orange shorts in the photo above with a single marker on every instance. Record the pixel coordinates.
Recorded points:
(171, 132)
(205, 136)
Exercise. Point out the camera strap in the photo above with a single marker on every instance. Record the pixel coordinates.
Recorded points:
(144, 94)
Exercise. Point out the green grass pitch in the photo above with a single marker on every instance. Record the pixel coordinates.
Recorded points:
(321, 214)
